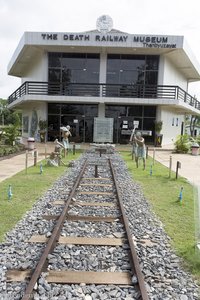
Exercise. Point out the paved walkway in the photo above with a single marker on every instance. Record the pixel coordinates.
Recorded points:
(190, 164)
(15, 164)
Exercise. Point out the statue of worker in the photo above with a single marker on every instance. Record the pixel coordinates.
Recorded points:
(66, 135)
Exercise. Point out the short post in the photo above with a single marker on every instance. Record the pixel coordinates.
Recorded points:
(45, 151)
(74, 149)
(96, 171)
(170, 166)
(65, 152)
(35, 157)
(154, 154)
(26, 161)
(178, 165)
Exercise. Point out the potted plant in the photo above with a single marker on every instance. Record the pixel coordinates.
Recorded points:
(158, 135)
(43, 124)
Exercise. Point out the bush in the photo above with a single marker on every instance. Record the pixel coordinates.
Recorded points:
(11, 133)
(182, 144)
(6, 150)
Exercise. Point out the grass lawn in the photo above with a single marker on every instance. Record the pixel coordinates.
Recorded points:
(26, 190)
(163, 194)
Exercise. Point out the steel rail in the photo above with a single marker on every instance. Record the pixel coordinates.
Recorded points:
(52, 240)
(134, 257)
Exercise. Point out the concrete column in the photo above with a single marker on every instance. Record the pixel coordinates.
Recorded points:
(102, 75)
(103, 63)
(101, 110)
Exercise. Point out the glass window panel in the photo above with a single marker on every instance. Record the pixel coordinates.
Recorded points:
(150, 111)
(135, 110)
(132, 63)
(53, 127)
(72, 109)
(152, 62)
(91, 110)
(113, 77)
(114, 56)
(113, 69)
(54, 60)
(66, 75)
(54, 108)
(128, 77)
(92, 76)
(113, 65)
(93, 55)
(54, 75)
(74, 63)
(141, 77)
(92, 63)
(75, 67)
(53, 122)
(151, 77)
(78, 76)
(128, 69)
(148, 124)
(115, 111)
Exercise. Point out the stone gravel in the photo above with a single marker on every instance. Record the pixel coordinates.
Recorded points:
(162, 268)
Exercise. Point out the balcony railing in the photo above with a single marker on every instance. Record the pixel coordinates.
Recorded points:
(104, 90)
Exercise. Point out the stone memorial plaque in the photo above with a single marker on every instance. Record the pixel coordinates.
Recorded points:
(103, 130)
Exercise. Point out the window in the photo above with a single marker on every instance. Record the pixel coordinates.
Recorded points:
(74, 67)
(132, 69)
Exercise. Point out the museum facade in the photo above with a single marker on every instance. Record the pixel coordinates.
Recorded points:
(103, 83)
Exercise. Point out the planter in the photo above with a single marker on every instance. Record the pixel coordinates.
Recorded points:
(43, 124)
(195, 149)
(42, 136)
(158, 140)
(31, 143)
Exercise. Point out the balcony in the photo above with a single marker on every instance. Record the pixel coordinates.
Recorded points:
(104, 90)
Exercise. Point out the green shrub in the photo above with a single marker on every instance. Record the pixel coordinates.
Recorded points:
(6, 149)
(182, 144)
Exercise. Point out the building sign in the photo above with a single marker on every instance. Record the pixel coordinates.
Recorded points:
(128, 40)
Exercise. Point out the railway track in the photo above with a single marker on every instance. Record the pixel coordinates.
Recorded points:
(94, 205)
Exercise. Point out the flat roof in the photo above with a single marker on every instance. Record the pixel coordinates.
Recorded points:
(115, 41)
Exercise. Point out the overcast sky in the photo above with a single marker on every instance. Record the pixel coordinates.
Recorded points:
(169, 17)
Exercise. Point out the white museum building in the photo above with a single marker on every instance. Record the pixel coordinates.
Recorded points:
(102, 83)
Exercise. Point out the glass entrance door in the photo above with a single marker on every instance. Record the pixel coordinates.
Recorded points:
(81, 128)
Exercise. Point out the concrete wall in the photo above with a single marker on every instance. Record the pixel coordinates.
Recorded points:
(170, 75)
(38, 71)
(172, 123)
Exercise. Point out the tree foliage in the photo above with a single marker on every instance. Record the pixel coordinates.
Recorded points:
(10, 124)
(194, 121)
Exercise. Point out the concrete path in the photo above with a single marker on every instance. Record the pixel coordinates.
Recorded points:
(190, 164)
(17, 163)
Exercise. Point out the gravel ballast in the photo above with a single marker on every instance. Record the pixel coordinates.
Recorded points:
(164, 276)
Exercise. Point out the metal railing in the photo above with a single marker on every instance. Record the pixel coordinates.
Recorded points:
(104, 90)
